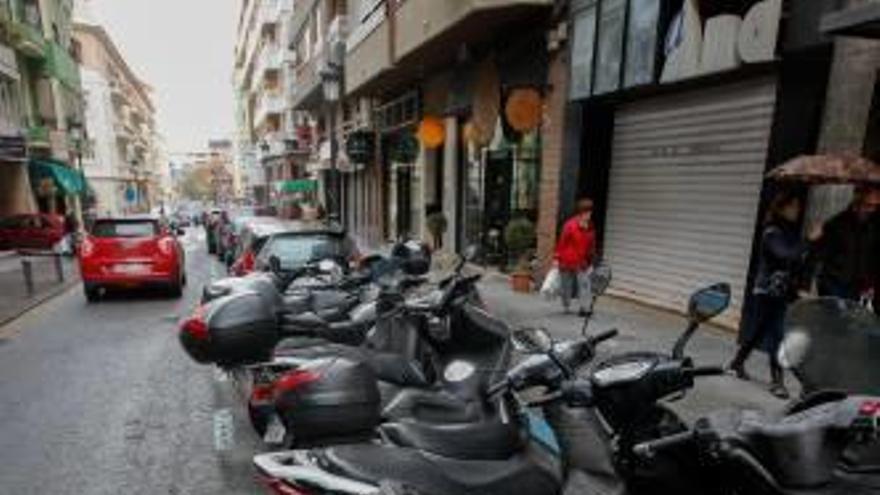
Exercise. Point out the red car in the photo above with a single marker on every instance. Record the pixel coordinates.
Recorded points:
(131, 252)
(36, 231)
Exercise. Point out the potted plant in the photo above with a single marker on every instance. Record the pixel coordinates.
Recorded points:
(437, 225)
(519, 236)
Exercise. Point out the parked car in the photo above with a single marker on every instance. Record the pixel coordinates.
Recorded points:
(131, 252)
(254, 233)
(304, 242)
(31, 231)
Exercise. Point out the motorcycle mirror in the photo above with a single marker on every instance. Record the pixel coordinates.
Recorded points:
(532, 341)
(709, 302)
(600, 279)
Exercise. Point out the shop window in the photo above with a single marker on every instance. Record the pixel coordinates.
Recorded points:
(641, 44)
(582, 52)
(610, 45)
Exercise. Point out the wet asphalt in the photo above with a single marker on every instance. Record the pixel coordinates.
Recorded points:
(101, 399)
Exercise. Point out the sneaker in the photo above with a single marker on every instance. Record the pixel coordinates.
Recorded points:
(582, 313)
(740, 372)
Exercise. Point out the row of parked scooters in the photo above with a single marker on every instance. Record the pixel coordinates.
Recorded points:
(377, 381)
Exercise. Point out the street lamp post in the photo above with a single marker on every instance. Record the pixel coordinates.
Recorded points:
(331, 83)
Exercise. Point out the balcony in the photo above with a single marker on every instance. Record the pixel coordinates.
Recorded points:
(28, 39)
(268, 104)
(306, 94)
(271, 59)
(61, 66)
(427, 36)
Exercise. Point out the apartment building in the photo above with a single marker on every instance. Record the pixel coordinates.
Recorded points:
(40, 108)
(124, 164)
(264, 77)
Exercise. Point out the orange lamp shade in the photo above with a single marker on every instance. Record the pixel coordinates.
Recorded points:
(432, 132)
(523, 109)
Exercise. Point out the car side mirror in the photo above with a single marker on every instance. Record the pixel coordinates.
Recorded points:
(275, 264)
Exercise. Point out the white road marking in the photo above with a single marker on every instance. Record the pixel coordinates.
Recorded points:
(224, 430)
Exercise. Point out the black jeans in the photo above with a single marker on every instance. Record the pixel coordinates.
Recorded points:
(768, 332)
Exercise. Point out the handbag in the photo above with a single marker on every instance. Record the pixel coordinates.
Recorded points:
(552, 284)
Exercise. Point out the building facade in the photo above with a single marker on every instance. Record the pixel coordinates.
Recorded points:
(264, 79)
(40, 98)
(123, 165)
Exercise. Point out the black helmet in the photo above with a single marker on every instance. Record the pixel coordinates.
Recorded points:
(413, 257)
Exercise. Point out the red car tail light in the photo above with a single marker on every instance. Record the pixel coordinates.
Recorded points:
(196, 326)
(293, 380)
(87, 247)
(166, 246)
(261, 394)
(280, 487)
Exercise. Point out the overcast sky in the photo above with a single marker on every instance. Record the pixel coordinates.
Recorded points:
(184, 49)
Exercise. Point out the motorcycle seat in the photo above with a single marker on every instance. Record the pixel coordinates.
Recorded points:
(304, 321)
(522, 473)
(484, 440)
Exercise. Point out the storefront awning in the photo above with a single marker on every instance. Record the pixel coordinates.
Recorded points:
(862, 21)
(296, 186)
(67, 180)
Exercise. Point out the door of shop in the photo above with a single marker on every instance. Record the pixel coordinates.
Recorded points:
(499, 177)
(685, 185)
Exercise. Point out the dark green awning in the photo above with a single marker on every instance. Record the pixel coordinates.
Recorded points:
(67, 180)
(295, 186)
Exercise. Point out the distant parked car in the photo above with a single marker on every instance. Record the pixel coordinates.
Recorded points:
(253, 235)
(31, 231)
(131, 252)
(303, 242)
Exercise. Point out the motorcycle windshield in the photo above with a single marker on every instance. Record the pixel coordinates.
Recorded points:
(831, 344)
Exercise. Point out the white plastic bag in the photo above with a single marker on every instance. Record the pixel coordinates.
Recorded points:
(552, 283)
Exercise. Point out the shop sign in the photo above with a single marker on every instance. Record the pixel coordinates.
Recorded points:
(360, 146)
(13, 149)
(625, 43)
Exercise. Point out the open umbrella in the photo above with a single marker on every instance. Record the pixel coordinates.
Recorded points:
(828, 169)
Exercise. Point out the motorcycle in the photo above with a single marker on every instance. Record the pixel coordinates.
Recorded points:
(825, 442)
(487, 456)
(426, 356)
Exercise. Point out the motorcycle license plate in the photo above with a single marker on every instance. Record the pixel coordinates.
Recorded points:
(275, 431)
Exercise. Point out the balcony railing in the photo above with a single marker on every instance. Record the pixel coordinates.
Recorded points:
(269, 103)
(61, 66)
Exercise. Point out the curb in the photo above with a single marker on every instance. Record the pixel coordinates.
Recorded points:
(34, 303)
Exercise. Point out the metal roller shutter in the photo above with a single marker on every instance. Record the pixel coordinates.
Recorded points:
(684, 190)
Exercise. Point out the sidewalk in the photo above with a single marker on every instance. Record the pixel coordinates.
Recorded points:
(643, 329)
(14, 298)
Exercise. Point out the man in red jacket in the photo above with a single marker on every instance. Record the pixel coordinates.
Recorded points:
(574, 256)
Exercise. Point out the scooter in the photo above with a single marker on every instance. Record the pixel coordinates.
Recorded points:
(429, 357)
(626, 387)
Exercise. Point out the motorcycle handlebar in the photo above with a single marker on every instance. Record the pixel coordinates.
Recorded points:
(602, 337)
(652, 447)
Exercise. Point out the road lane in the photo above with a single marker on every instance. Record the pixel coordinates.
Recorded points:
(100, 398)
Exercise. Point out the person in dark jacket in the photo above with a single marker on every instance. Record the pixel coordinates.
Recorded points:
(782, 256)
(848, 253)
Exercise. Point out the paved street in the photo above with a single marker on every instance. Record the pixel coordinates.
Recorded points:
(100, 399)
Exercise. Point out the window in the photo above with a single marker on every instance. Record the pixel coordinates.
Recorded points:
(296, 250)
(125, 228)
(583, 46)
(641, 45)
(610, 47)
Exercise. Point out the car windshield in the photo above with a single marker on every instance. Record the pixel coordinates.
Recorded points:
(296, 250)
(125, 228)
